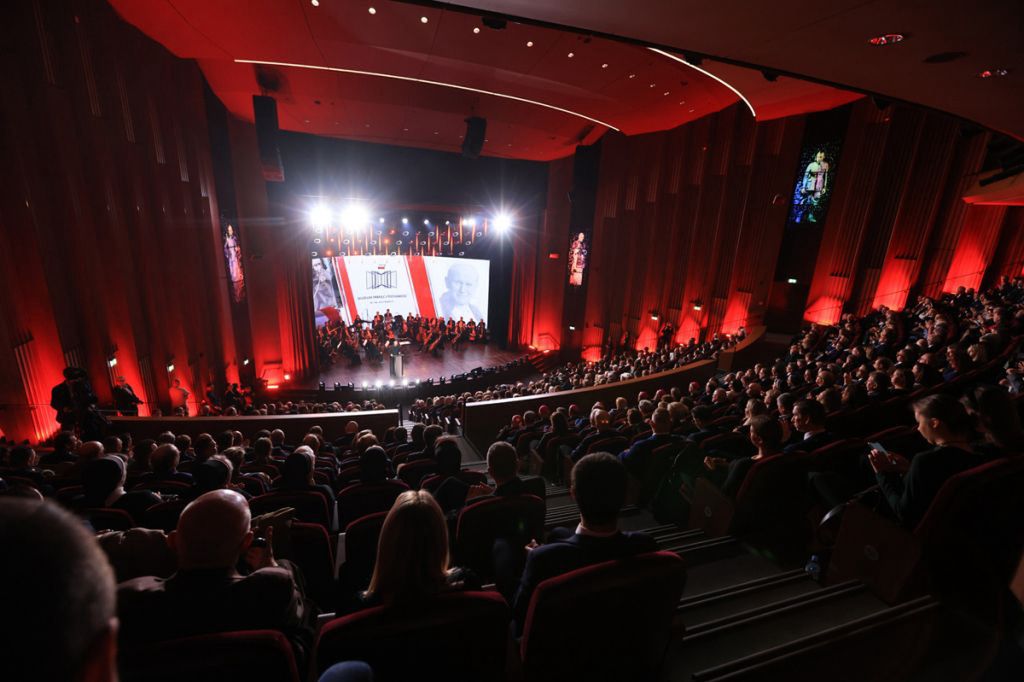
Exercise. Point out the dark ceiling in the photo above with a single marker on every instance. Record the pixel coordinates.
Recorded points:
(336, 69)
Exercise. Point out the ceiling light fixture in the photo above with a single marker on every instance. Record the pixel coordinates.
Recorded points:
(710, 75)
(604, 66)
(989, 73)
(372, 10)
(315, 3)
(529, 43)
(464, 88)
(632, 75)
(887, 39)
(424, 20)
(571, 55)
(476, 29)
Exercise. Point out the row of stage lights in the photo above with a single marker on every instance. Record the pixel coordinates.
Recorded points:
(356, 216)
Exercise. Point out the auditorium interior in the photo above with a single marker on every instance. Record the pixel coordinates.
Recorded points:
(512, 340)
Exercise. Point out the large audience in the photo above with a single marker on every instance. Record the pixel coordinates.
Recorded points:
(228, 558)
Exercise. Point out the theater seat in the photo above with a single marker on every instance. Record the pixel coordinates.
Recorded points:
(614, 445)
(164, 516)
(360, 499)
(455, 637)
(433, 482)
(108, 519)
(967, 545)
(411, 473)
(311, 551)
(310, 506)
(247, 656)
(519, 518)
(609, 621)
(361, 538)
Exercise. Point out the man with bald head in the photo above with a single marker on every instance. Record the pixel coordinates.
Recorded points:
(461, 282)
(207, 593)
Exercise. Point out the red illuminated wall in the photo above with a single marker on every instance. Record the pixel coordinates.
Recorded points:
(897, 226)
(106, 203)
(686, 217)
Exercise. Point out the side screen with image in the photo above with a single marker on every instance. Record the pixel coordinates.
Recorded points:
(346, 288)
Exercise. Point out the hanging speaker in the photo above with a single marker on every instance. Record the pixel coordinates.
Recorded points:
(264, 111)
(473, 142)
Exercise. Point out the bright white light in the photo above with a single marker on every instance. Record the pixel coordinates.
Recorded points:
(315, 3)
(287, 377)
(170, 367)
(529, 43)
(381, 221)
(469, 222)
(320, 216)
(391, 383)
(372, 10)
(405, 221)
(112, 362)
(426, 221)
(355, 215)
(572, 328)
(424, 20)
(405, 382)
(378, 384)
(245, 362)
(476, 29)
(502, 222)
(365, 384)
(791, 280)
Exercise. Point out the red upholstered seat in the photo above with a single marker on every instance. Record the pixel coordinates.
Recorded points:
(433, 482)
(967, 545)
(108, 519)
(310, 506)
(361, 538)
(249, 656)
(414, 472)
(614, 445)
(164, 516)
(164, 487)
(609, 621)
(520, 518)
(311, 550)
(360, 499)
(456, 637)
(737, 444)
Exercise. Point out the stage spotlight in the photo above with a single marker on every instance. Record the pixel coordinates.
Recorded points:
(426, 221)
(322, 386)
(170, 367)
(365, 384)
(391, 383)
(405, 221)
(469, 222)
(287, 377)
(355, 215)
(245, 362)
(502, 222)
(320, 216)
(405, 382)
(112, 362)
(378, 384)
(381, 221)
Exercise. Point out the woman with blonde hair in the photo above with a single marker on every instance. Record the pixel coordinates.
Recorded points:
(413, 562)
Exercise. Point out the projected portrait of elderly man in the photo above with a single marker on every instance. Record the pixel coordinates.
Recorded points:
(461, 289)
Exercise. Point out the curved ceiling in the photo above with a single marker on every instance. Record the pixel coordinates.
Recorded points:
(339, 70)
(948, 43)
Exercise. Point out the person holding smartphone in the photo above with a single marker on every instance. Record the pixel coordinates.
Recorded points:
(910, 485)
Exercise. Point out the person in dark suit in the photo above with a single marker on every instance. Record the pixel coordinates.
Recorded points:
(601, 421)
(23, 462)
(910, 486)
(599, 487)
(125, 400)
(207, 594)
(702, 416)
(638, 457)
(809, 422)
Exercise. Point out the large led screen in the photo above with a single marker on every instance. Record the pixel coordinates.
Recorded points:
(346, 288)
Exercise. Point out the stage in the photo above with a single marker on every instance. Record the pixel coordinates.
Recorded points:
(418, 366)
